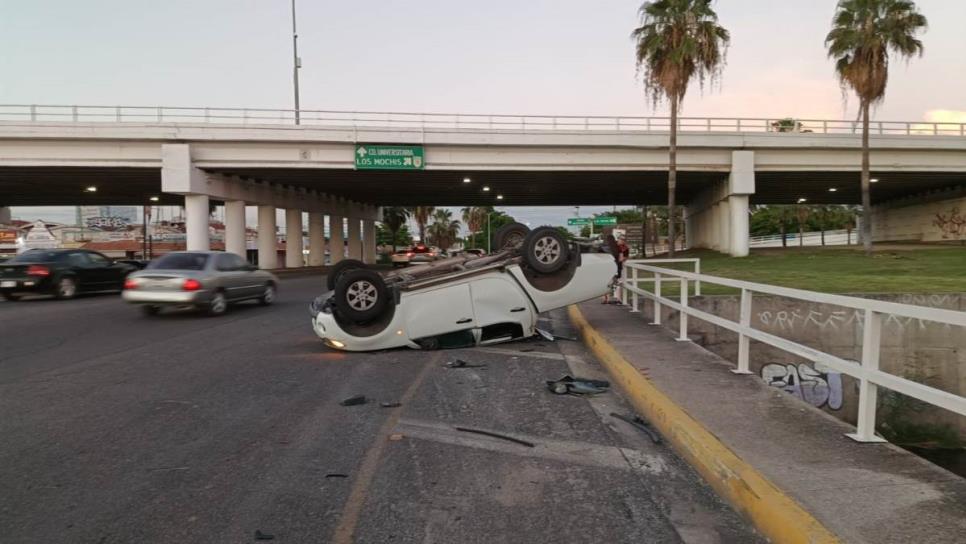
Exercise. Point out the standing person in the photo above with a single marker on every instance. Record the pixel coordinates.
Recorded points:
(611, 246)
(623, 254)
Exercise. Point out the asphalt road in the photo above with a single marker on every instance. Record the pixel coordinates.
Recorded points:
(181, 428)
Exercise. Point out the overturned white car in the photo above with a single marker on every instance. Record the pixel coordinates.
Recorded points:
(463, 301)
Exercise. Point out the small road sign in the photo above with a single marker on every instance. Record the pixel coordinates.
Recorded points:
(389, 157)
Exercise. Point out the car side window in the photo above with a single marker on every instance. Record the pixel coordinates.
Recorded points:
(225, 263)
(98, 260)
(78, 259)
(238, 262)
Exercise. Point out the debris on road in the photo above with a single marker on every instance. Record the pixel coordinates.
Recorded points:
(546, 335)
(496, 435)
(638, 422)
(460, 363)
(395, 437)
(390, 404)
(354, 401)
(579, 386)
(263, 536)
(336, 475)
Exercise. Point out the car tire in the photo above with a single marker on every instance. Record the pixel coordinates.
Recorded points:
(66, 288)
(150, 310)
(545, 250)
(217, 304)
(11, 297)
(361, 295)
(429, 344)
(340, 268)
(268, 295)
(510, 236)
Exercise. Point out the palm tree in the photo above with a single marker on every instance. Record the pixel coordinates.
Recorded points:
(394, 217)
(863, 32)
(475, 219)
(677, 40)
(444, 229)
(422, 214)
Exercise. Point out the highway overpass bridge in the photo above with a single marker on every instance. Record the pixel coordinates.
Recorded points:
(50, 155)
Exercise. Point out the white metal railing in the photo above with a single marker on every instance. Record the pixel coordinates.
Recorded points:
(469, 121)
(657, 281)
(867, 372)
(831, 238)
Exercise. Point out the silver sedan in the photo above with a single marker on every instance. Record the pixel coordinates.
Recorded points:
(209, 280)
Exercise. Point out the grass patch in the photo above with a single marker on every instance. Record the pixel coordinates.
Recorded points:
(837, 270)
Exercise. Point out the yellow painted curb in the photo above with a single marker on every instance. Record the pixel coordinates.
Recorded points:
(776, 515)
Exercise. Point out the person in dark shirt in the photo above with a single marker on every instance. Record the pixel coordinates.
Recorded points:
(611, 246)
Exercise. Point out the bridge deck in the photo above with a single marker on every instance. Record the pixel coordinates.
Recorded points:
(875, 493)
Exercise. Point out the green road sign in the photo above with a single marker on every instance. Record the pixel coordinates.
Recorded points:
(574, 221)
(601, 221)
(389, 157)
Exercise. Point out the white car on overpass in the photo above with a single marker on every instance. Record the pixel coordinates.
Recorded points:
(462, 301)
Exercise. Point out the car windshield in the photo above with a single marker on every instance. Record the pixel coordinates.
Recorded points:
(36, 256)
(180, 261)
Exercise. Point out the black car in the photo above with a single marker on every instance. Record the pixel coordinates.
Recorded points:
(60, 272)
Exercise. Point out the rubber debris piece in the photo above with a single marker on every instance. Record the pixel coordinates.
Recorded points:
(354, 401)
(640, 424)
(336, 475)
(390, 404)
(496, 435)
(578, 386)
(263, 536)
(460, 363)
(546, 335)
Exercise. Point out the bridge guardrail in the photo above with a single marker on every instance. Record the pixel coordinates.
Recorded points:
(459, 121)
(867, 372)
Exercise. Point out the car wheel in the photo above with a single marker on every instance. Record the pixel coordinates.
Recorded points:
(218, 304)
(429, 344)
(545, 250)
(510, 236)
(340, 268)
(65, 288)
(150, 310)
(361, 295)
(11, 297)
(268, 295)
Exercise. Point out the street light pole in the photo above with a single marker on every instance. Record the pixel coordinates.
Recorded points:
(296, 64)
(488, 237)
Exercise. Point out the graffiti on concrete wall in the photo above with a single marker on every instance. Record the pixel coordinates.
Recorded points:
(815, 386)
(952, 224)
(825, 319)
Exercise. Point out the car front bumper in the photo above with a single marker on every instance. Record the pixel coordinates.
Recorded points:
(136, 296)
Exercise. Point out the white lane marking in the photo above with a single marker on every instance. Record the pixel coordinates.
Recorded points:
(518, 353)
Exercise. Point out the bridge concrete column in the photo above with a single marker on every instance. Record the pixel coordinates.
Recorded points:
(738, 204)
(369, 241)
(267, 253)
(196, 222)
(235, 227)
(355, 239)
(316, 239)
(5, 215)
(336, 239)
(293, 239)
(723, 226)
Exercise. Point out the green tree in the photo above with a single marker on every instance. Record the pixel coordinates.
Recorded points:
(677, 40)
(394, 217)
(422, 215)
(475, 219)
(402, 238)
(863, 32)
(444, 230)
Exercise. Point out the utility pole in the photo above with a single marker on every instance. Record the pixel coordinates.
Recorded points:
(296, 64)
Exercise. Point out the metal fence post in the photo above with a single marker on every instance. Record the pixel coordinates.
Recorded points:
(73, 112)
(868, 391)
(623, 285)
(657, 299)
(697, 283)
(683, 314)
(33, 112)
(743, 343)
(160, 114)
(634, 307)
(117, 113)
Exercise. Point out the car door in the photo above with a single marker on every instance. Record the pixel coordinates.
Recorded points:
(498, 302)
(105, 273)
(436, 311)
(79, 265)
(229, 276)
(250, 279)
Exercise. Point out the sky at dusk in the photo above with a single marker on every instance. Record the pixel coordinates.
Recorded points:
(534, 57)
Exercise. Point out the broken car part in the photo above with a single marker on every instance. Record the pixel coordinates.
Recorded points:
(496, 435)
(580, 386)
(640, 424)
(354, 401)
